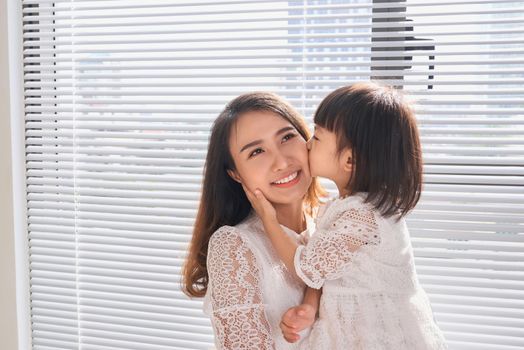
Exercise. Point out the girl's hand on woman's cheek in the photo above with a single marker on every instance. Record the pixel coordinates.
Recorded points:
(262, 206)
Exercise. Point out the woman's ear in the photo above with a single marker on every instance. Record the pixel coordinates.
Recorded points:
(234, 175)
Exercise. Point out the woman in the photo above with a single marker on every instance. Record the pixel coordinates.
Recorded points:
(258, 141)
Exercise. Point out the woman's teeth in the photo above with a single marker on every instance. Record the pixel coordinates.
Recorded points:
(287, 179)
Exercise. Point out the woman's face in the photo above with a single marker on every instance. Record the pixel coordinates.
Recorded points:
(271, 155)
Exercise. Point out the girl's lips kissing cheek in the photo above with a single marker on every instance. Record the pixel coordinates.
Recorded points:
(288, 181)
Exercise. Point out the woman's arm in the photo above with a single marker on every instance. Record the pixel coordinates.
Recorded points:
(239, 316)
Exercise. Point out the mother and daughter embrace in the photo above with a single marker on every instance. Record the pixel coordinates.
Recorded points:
(274, 278)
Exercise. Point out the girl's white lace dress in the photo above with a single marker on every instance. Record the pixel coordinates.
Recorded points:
(249, 287)
(371, 298)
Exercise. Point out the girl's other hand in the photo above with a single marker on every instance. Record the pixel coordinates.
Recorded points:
(295, 320)
(262, 206)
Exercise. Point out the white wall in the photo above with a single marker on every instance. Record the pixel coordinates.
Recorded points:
(14, 331)
(8, 320)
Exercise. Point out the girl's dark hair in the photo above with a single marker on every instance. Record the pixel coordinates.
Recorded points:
(223, 201)
(379, 126)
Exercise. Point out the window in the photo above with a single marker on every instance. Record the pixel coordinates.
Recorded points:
(119, 99)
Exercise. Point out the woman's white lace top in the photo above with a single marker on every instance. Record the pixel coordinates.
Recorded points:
(249, 287)
(371, 297)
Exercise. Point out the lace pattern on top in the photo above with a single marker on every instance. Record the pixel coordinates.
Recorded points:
(331, 248)
(239, 315)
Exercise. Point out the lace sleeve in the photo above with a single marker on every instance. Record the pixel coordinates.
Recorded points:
(239, 317)
(330, 251)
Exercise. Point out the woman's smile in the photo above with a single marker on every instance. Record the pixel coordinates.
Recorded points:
(288, 180)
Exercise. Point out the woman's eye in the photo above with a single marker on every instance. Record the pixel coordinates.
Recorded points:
(288, 137)
(314, 137)
(255, 152)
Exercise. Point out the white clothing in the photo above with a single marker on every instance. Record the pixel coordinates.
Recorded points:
(371, 297)
(249, 287)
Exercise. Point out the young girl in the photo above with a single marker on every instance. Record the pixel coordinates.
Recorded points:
(366, 141)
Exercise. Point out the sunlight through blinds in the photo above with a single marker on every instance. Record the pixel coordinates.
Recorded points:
(119, 99)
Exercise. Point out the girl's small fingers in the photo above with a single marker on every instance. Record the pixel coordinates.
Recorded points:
(252, 195)
(259, 194)
(289, 322)
(290, 334)
(248, 192)
(291, 338)
(287, 329)
(263, 197)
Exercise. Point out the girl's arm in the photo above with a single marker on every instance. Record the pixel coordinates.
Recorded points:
(312, 298)
(330, 252)
(283, 244)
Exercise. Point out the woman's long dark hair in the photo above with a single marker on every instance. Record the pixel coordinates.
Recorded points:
(379, 126)
(223, 201)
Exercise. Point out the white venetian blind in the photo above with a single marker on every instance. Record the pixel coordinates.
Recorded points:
(120, 96)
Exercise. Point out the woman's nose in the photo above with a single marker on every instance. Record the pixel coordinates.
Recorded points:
(308, 144)
(280, 162)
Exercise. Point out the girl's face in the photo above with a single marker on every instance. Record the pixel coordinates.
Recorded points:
(270, 155)
(324, 161)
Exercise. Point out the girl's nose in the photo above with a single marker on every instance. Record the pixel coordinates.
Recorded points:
(308, 144)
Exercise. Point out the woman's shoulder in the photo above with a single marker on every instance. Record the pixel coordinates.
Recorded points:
(225, 231)
(225, 235)
(225, 243)
(238, 234)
